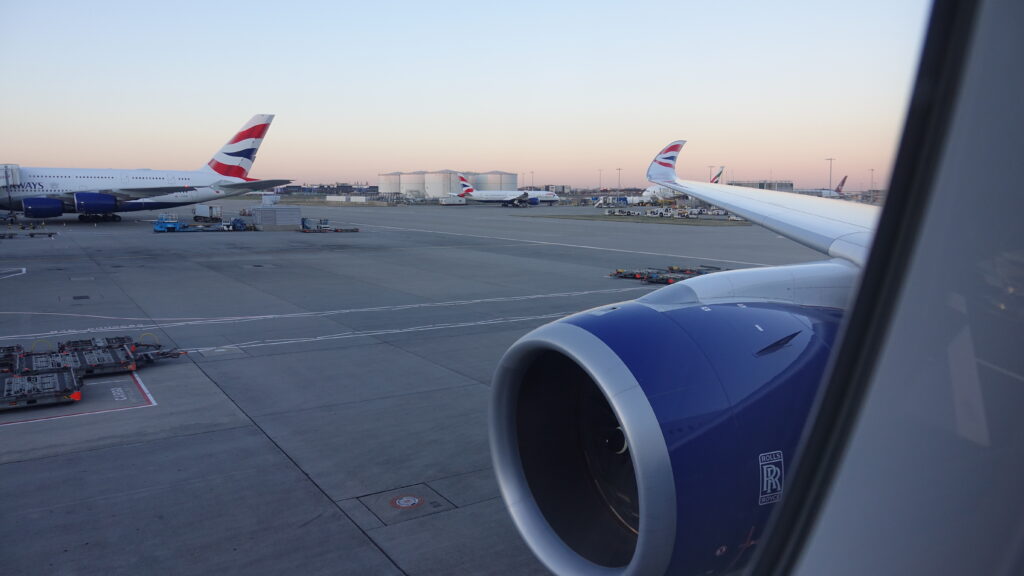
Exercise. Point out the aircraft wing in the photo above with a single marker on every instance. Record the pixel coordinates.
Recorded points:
(834, 227)
(125, 193)
(252, 185)
(135, 193)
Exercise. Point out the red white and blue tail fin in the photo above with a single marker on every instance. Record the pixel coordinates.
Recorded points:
(467, 188)
(663, 167)
(234, 159)
(718, 177)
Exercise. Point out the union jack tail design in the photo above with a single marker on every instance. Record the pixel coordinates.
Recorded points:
(467, 188)
(235, 158)
(663, 167)
(839, 189)
(718, 177)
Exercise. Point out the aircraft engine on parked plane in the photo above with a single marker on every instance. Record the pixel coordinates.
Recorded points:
(94, 203)
(42, 207)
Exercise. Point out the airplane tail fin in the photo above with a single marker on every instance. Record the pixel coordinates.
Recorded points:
(234, 159)
(839, 189)
(663, 167)
(467, 188)
(718, 177)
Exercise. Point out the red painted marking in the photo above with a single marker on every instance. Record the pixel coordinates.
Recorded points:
(672, 148)
(406, 502)
(228, 170)
(255, 132)
(76, 395)
(149, 401)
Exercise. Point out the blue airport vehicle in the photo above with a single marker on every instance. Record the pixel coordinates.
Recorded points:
(168, 223)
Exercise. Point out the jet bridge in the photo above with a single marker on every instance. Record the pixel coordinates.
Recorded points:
(10, 175)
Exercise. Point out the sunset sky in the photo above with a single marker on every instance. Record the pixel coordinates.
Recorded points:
(560, 89)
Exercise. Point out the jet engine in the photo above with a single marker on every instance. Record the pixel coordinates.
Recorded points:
(652, 436)
(94, 203)
(42, 207)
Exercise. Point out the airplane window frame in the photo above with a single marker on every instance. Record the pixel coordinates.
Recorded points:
(936, 89)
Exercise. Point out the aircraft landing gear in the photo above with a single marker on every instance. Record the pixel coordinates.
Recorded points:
(99, 217)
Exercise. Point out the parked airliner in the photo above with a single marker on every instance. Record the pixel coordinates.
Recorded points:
(516, 198)
(100, 194)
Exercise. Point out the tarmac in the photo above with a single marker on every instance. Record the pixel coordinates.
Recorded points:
(331, 415)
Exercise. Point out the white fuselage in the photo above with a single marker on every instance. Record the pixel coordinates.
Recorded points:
(62, 182)
(508, 196)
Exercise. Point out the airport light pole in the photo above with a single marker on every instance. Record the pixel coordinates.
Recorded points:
(710, 166)
(620, 179)
(872, 187)
(829, 172)
(598, 179)
(533, 181)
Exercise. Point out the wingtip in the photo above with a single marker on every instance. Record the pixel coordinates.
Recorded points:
(663, 167)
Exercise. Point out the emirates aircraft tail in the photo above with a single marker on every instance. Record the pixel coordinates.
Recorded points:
(839, 189)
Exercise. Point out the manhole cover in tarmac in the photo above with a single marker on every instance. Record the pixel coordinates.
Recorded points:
(405, 502)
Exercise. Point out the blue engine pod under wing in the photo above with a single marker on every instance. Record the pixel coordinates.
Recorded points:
(641, 440)
(95, 203)
(42, 207)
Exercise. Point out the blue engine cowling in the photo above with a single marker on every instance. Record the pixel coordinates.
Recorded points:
(651, 439)
(42, 207)
(94, 203)
(533, 201)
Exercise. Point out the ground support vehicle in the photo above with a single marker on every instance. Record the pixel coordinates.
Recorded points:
(38, 378)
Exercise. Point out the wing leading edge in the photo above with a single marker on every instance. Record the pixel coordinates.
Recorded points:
(835, 227)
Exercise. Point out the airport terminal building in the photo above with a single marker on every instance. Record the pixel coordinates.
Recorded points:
(442, 183)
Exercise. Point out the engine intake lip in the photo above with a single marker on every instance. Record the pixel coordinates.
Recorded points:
(648, 452)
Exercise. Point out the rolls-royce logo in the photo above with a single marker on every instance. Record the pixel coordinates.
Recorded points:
(772, 476)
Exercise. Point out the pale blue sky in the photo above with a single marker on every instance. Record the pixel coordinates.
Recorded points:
(559, 88)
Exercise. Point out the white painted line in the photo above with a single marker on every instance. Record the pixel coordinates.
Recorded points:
(11, 272)
(371, 333)
(138, 382)
(156, 324)
(114, 381)
(143, 389)
(542, 242)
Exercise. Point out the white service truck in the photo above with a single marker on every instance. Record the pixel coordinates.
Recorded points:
(207, 213)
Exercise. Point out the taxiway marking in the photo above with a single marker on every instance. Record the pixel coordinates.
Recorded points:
(370, 333)
(158, 323)
(543, 242)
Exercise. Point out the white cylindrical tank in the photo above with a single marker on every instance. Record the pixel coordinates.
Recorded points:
(496, 180)
(389, 183)
(489, 181)
(413, 184)
(441, 184)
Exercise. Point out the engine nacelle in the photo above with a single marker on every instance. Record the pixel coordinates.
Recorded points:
(533, 201)
(649, 438)
(94, 203)
(42, 207)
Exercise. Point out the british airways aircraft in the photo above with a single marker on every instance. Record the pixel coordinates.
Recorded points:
(100, 194)
(517, 198)
(653, 436)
